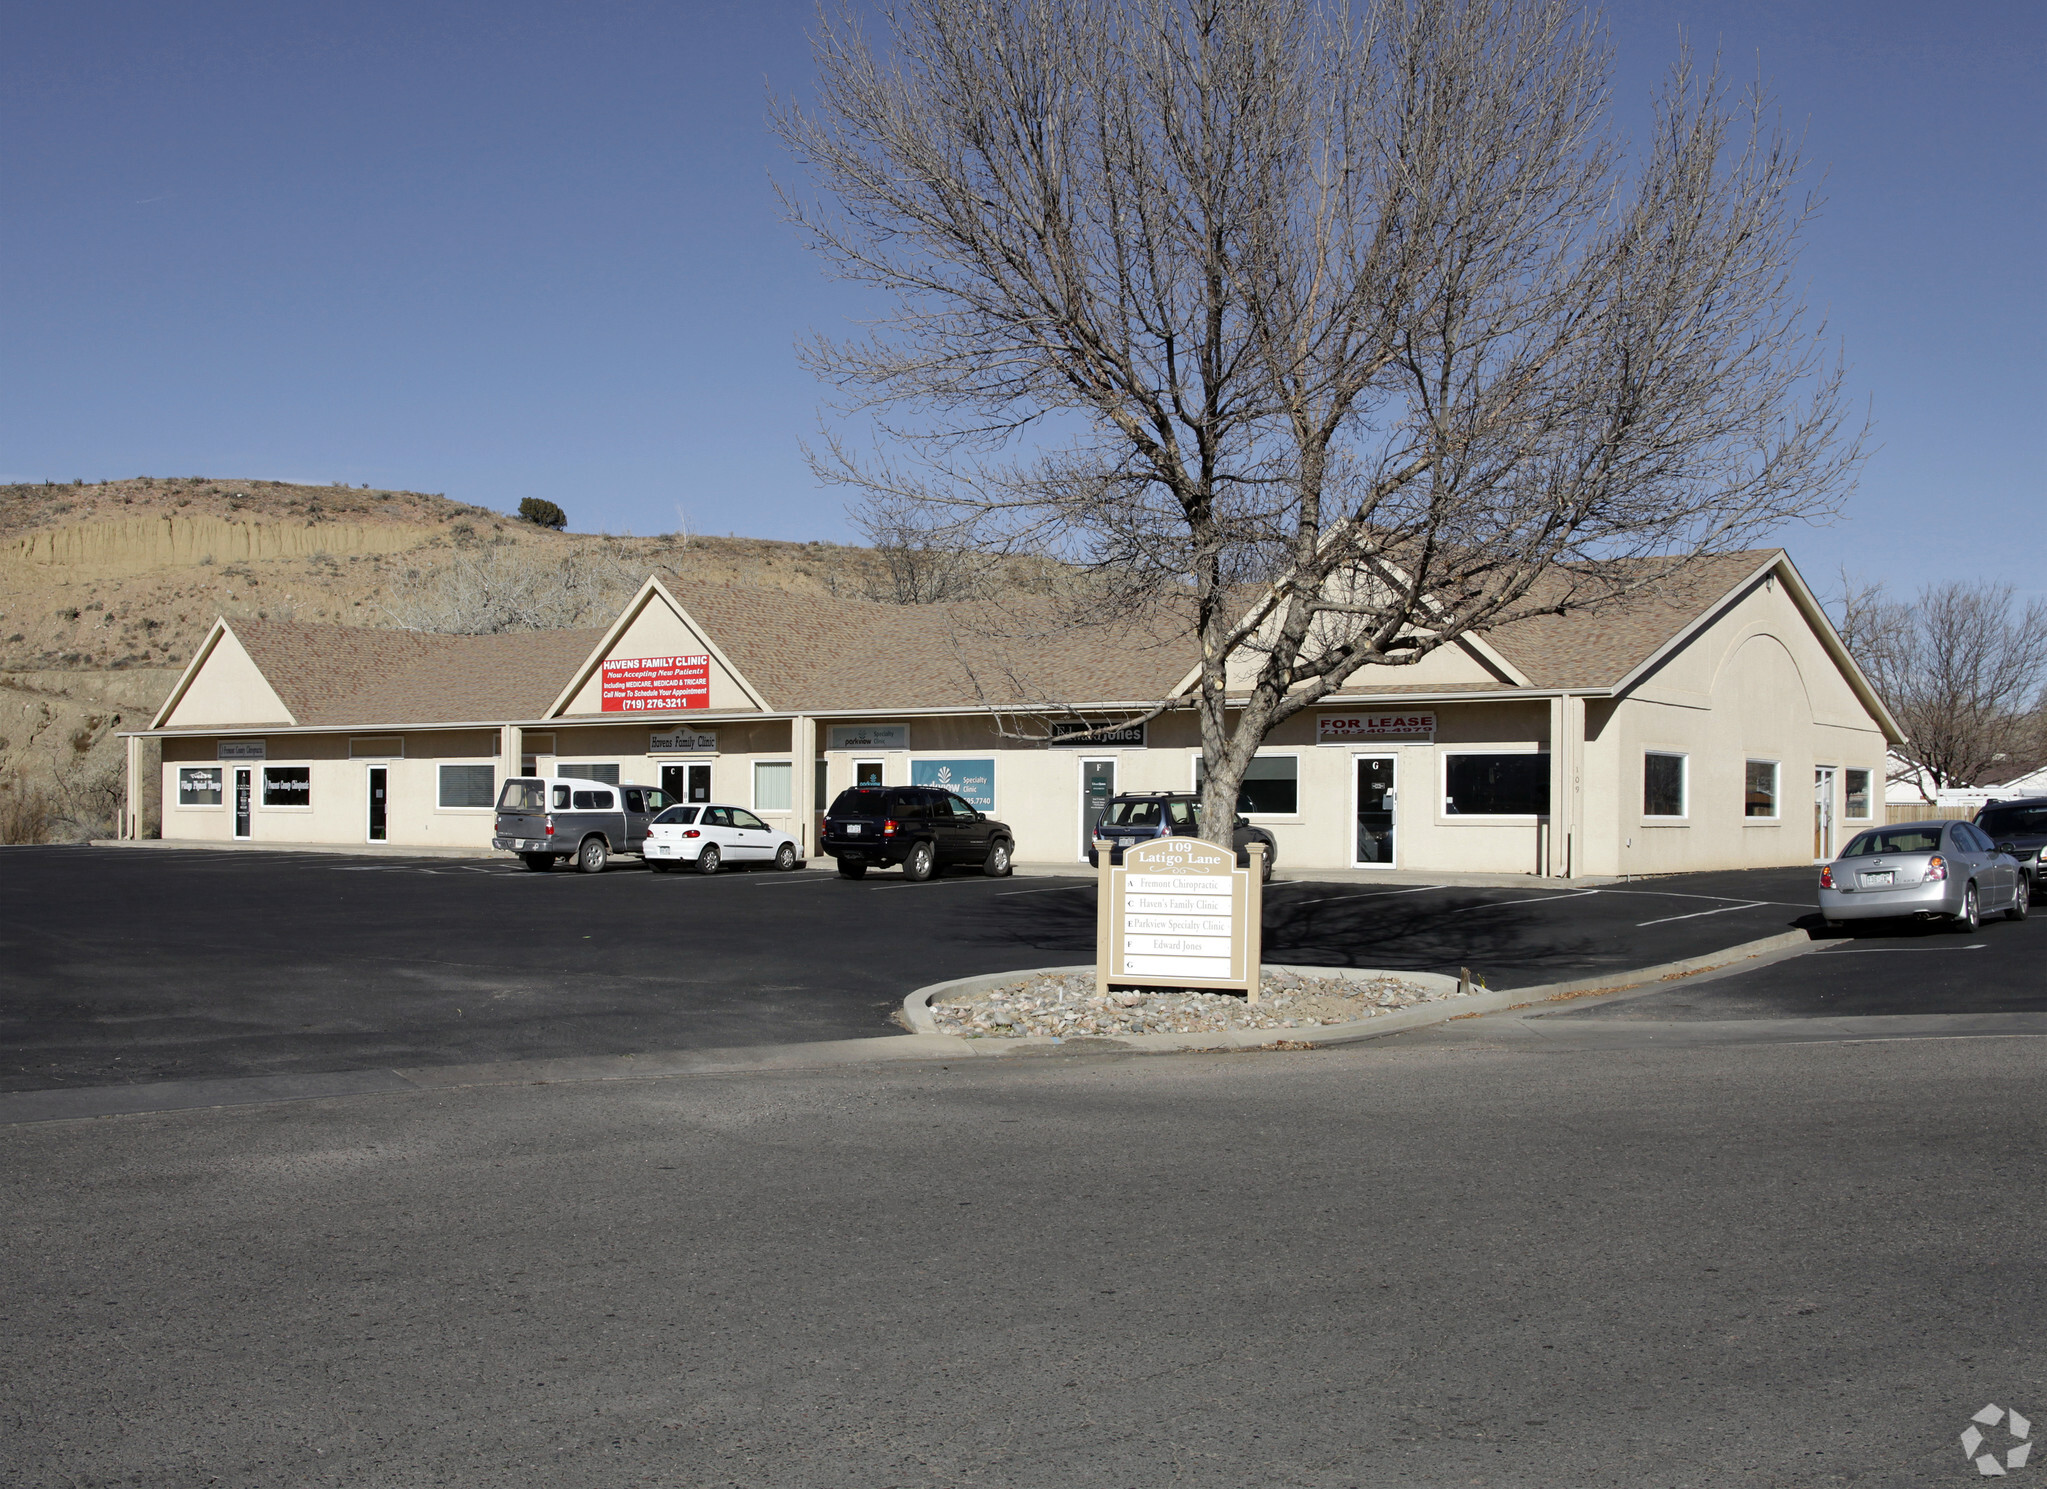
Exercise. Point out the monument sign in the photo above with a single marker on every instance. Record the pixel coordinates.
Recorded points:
(1178, 912)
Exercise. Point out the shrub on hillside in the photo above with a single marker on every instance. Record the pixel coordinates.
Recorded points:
(541, 512)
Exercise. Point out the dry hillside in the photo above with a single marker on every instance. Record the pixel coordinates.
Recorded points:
(106, 588)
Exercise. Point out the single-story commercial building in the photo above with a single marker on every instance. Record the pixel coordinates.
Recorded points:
(1714, 723)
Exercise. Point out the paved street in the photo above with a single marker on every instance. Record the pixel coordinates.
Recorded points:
(131, 966)
(1420, 1262)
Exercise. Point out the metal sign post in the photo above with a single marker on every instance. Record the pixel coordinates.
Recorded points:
(1178, 912)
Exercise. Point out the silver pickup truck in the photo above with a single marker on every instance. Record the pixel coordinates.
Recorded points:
(545, 818)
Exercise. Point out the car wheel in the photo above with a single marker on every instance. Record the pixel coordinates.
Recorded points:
(592, 856)
(785, 857)
(1094, 859)
(708, 859)
(917, 867)
(2022, 899)
(852, 870)
(540, 863)
(1971, 917)
(1271, 857)
(997, 866)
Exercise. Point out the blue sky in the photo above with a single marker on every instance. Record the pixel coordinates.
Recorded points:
(516, 249)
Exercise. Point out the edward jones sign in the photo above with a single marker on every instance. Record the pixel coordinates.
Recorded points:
(1353, 728)
(656, 684)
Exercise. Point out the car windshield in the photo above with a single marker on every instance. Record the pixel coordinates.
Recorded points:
(523, 796)
(683, 815)
(1895, 840)
(2012, 822)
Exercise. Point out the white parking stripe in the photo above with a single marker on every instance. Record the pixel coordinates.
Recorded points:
(1534, 900)
(1753, 904)
(1377, 894)
(1055, 889)
(1887, 950)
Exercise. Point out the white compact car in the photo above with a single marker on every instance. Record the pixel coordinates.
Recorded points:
(707, 837)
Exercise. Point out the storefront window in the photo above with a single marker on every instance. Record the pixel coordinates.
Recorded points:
(287, 785)
(605, 773)
(1496, 785)
(771, 785)
(1663, 785)
(1271, 786)
(1760, 799)
(199, 786)
(1856, 795)
(467, 785)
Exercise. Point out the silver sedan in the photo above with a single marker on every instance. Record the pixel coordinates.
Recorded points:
(1933, 870)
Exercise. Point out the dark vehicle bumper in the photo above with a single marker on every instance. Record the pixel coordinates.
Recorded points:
(525, 845)
(847, 851)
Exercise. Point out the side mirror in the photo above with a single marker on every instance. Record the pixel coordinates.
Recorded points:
(1243, 822)
(2011, 848)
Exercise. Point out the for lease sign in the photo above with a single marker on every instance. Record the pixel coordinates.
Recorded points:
(656, 684)
(1344, 728)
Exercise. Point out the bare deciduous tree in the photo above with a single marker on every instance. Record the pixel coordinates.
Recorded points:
(1339, 331)
(509, 587)
(1964, 674)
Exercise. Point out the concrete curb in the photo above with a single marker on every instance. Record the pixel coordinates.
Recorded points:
(917, 1007)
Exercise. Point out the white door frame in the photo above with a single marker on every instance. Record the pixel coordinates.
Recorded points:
(1351, 825)
(1824, 779)
(369, 799)
(1115, 765)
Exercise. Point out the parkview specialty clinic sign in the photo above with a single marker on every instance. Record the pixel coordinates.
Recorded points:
(656, 684)
(1365, 728)
(1179, 912)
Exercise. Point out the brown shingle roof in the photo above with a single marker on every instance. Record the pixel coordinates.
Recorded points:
(813, 654)
(348, 675)
(1597, 648)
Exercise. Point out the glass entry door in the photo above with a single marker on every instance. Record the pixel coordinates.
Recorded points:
(686, 782)
(379, 793)
(1376, 802)
(245, 792)
(1823, 813)
(1097, 785)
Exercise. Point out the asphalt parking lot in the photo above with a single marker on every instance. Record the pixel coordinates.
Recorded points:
(135, 966)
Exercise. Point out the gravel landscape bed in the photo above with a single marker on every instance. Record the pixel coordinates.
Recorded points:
(1067, 1004)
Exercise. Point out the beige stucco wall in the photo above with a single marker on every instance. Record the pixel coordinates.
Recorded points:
(1757, 684)
(228, 691)
(339, 809)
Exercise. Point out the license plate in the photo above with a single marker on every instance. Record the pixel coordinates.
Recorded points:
(854, 829)
(1879, 881)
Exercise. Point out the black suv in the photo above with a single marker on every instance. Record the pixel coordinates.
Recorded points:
(923, 828)
(1138, 816)
(2019, 828)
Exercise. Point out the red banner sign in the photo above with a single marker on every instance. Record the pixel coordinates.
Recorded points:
(656, 684)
